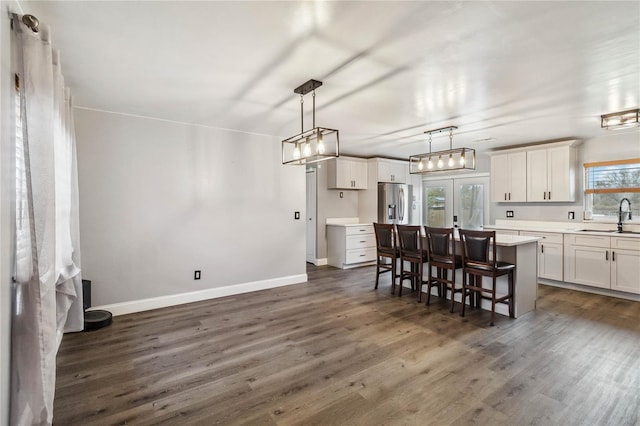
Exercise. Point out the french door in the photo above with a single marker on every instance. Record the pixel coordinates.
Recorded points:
(462, 202)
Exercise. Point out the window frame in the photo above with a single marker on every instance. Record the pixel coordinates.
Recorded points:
(590, 192)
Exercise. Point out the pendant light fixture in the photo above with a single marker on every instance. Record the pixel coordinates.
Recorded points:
(620, 119)
(313, 145)
(451, 159)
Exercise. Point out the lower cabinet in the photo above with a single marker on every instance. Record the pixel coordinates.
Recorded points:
(550, 254)
(350, 246)
(606, 262)
(625, 264)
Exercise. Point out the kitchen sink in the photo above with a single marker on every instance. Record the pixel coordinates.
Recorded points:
(627, 232)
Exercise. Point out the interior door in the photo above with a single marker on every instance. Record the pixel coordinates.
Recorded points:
(311, 216)
(471, 198)
(438, 203)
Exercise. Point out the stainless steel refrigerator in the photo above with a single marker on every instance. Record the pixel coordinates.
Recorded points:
(394, 203)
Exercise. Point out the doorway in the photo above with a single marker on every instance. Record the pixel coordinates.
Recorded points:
(461, 202)
(311, 213)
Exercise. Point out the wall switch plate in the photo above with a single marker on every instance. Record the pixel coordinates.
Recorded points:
(509, 213)
(572, 215)
(341, 194)
(196, 275)
(296, 215)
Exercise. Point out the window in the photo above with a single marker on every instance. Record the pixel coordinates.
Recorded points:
(607, 183)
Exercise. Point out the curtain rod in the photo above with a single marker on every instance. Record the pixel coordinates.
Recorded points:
(29, 20)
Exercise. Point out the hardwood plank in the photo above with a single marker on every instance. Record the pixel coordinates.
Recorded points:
(336, 351)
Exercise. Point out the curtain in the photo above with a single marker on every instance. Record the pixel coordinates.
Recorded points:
(48, 289)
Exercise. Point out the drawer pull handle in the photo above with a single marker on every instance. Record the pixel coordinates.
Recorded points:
(363, 242)
(362, 255)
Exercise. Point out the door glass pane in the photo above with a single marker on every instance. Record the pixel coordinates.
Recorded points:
(434, 211)
(471, 206)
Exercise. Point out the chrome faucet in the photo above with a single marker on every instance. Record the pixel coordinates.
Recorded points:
(620, 213)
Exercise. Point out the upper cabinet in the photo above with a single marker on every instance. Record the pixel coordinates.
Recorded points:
(347, 173)
(392, 170)
(540, 173)
(551, 174)
(509, 177)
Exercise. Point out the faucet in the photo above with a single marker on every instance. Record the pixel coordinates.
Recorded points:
(620, 213)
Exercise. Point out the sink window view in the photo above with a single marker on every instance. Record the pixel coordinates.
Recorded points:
(607, 183)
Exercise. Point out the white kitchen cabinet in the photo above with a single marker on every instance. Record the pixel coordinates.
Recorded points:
(349, 246)
(587, 260)
(509, 177)
(551, 174)
(625, 264)
(550, 254)
(347, 173)
(392, 171)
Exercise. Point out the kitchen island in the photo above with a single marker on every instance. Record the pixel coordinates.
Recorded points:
(522, 252)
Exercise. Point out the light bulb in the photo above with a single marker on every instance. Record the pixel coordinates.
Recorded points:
(320, 144)
(462, 159)
(420, 165)
(430, 164)
(296, 151)
(306, 150)
(440, 162)
(450, 162)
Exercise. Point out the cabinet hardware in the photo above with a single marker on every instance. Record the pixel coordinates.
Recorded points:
(362, 255)
(549, 194)
(509, 196)
(505, 196)
(606, 255)
(544, 195)
(541, 248)
(362, 242)
(613, 256)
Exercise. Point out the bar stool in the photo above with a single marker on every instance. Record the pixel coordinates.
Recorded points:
(411, 251)
(442, 256)
(479, 260)
(386, 248)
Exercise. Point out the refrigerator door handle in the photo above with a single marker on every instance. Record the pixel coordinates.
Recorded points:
(392, 211)
(401, 202)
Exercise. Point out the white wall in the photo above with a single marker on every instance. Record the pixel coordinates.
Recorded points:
(160, 199)
(610, 146)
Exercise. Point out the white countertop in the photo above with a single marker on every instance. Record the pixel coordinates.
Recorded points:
(349, 224)
(607, 230)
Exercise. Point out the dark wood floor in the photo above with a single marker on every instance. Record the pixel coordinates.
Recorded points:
(335, 351)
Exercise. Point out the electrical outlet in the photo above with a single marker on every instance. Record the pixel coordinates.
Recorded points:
(196, 275)
(509, 213)
(296, 215)
(572, 215)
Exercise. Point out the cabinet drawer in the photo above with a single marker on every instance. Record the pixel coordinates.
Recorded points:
(361, 241)
(547, 237)
(360, 255)
(625, 243)
(357, 230)
(588, 240)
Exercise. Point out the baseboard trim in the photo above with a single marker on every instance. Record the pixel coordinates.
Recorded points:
(322, 262)
(141, 305)
(590, 289)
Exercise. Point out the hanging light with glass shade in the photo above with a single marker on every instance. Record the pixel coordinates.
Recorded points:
(442, 161)
(313, 145)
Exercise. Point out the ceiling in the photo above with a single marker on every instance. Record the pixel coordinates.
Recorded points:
(505, 73)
